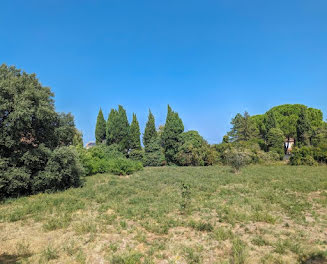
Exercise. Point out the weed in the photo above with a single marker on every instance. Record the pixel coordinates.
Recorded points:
(185, 197)
(127, 258)
(222, 233)
(50, 253)
(239, 252)
(192, 256)
(201, 226)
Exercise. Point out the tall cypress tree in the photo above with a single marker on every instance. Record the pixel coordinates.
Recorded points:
(170, 137)
(135, 142)
(303, 128)
(100, 128)
(118, 129)
(111, 131)
(150, 130)
(123, 127)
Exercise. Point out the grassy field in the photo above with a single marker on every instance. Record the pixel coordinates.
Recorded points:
(266, 214)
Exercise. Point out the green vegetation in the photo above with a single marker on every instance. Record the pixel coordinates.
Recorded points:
(150, 132)
(118, 129)
(170, 136)
(263, 136)
(135, 142)
(100, 128)
(34, 156)
(267, 214)
(103, 158)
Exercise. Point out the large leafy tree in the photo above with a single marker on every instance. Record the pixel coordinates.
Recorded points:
(193, 150)
(243, 128)
(30, 130)
(170, 136)
(150, 132)
(100, 128)
(287, 117)
(135, 142)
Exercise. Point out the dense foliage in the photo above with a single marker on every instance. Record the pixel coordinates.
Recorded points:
(33, 138)
(102, 158)
(270, 130)
(154, 153)
(135, 142)
(170, 136)
(193, 150)
(150, 132)
(100, 129)
(118, 129)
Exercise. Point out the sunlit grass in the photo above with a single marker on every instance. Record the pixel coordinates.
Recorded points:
(139, 218)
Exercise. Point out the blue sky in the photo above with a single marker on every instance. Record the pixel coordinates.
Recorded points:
(208, 59)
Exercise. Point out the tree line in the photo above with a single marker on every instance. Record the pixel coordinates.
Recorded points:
(168, 145)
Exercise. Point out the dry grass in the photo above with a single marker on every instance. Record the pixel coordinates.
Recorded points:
(266, 214)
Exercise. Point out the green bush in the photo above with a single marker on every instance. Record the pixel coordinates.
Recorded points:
(95, 160)
(303, 156)
(103, 158)
(195, 151)
(123, 166)
(238, 158)
(13, 181)
(62, 171)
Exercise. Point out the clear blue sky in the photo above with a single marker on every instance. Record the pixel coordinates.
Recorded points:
(208, 59)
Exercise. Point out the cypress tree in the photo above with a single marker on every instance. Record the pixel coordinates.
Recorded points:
(303, 128)
(170, 137)
(100, 128)
(153, 155)
(111, 130)
(123, 129)
(118, 129)
(135, 142)
(150, 130)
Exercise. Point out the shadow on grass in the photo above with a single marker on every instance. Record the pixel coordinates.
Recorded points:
(10, 259)
(316, 259)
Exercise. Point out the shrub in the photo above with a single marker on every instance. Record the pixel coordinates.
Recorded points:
(123, 166)
(102, 158)
(96, 159)
(237, 158)
(303, 156)
(13, 181)
(194, 150)
(62, 171)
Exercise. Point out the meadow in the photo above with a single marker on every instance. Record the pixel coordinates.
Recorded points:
(265, 214)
